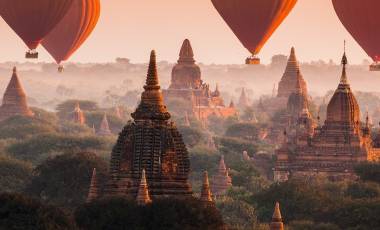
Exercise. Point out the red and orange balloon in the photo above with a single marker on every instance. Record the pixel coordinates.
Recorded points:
(254, 21)
(73, 30)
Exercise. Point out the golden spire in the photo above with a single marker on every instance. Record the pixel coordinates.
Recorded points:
(143, 197)
(277, 223)
(343, 79)
(152, 76)
(93, 191)
(205, 192)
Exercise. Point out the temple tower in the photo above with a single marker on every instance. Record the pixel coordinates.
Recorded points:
(277, 223)
(186, 74)
(289, 78)
(14, 99)
(221, 182)
(151, 142)
(243, 100)
(77, 116)
(93, 192)
(143, 197)
(104, 128)
(206, 195)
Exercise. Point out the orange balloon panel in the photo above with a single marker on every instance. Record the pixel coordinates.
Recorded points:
(254, 21)
(32, 20)
(73, 30)
(362, 20)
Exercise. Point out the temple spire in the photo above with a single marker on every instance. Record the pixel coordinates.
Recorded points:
(206, 192)
(186, 55)
(143, 197)
(104, 129)
(343, 79)
(277, 223)
(93, 191)
(152, 105)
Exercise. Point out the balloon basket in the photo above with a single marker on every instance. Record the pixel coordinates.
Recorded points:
(252, 60)
(61, 69)
(31, 55)
(374, 66)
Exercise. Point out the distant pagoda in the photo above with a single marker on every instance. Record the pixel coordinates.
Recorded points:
(77, 116)
(243, 100)
(94, 188)
(187, 84)
(206, 195)
(221, 181)
(14, 100)
(143, 197)
(277, 223)
(151, 142)
(104, 129)
(289, 78)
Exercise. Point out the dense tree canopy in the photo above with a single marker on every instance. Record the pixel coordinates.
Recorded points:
(14, 174)
(369, 172)
(165, 214)
(64, 180)
(65, 108)
(19, 212)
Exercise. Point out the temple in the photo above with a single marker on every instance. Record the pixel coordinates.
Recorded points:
(150, 142)
(187, 84)
(93, 192)
(206, 195)
(143, 197)
(331, 150)
(243, 100)
(104, 128)
(276, 223)
(221, 181)
(77, 116)
(14, 100)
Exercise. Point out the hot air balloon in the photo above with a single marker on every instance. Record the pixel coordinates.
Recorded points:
(362, 20)
(33, 20)
(73, 30)
(253, 21)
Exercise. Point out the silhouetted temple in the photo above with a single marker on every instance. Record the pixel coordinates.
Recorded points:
(14, 99)
(187, 84)
(331, 150)
(150, 142)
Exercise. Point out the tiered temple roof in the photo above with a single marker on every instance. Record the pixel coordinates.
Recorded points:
(14, 99)
(206, 195)
(151, 142)
(221, 182)
(291, 75)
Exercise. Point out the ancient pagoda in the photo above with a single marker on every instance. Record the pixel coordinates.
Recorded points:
(104, 128)
(187, 85)
(151, 142)
(77, 116)
(206, 195)
(143, 197)
(93, 192)
(332, 150)
(14, 99)
(243, 100)
(221, 181)
(276, 223)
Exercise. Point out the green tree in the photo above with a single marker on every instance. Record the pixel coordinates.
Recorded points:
(191, 136)
(14, 174)
(368, 171)
(65, 108)
(65, 179)
(247, 131)
(19, 212)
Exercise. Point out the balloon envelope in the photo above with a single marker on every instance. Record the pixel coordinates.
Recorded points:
(73, 30)
(254, 21)
(362, 19)
(32, 20)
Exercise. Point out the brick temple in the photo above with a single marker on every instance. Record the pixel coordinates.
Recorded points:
(150, 142)
(14, 99)
(187, 84)
(330, 150)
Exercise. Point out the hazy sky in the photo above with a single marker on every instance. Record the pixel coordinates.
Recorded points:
(130, 28)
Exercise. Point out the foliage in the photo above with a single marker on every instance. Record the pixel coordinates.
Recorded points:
(237, 214)
(310, 225)
(72, 128)
(191, 136)
(247, 131)
(116, 213)
(368, 171)
(65, 179)
(177, 106)
(236, 145)
(20, 127)
(362, 190)
(19, 212)
(14, 174)
(39, 147)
